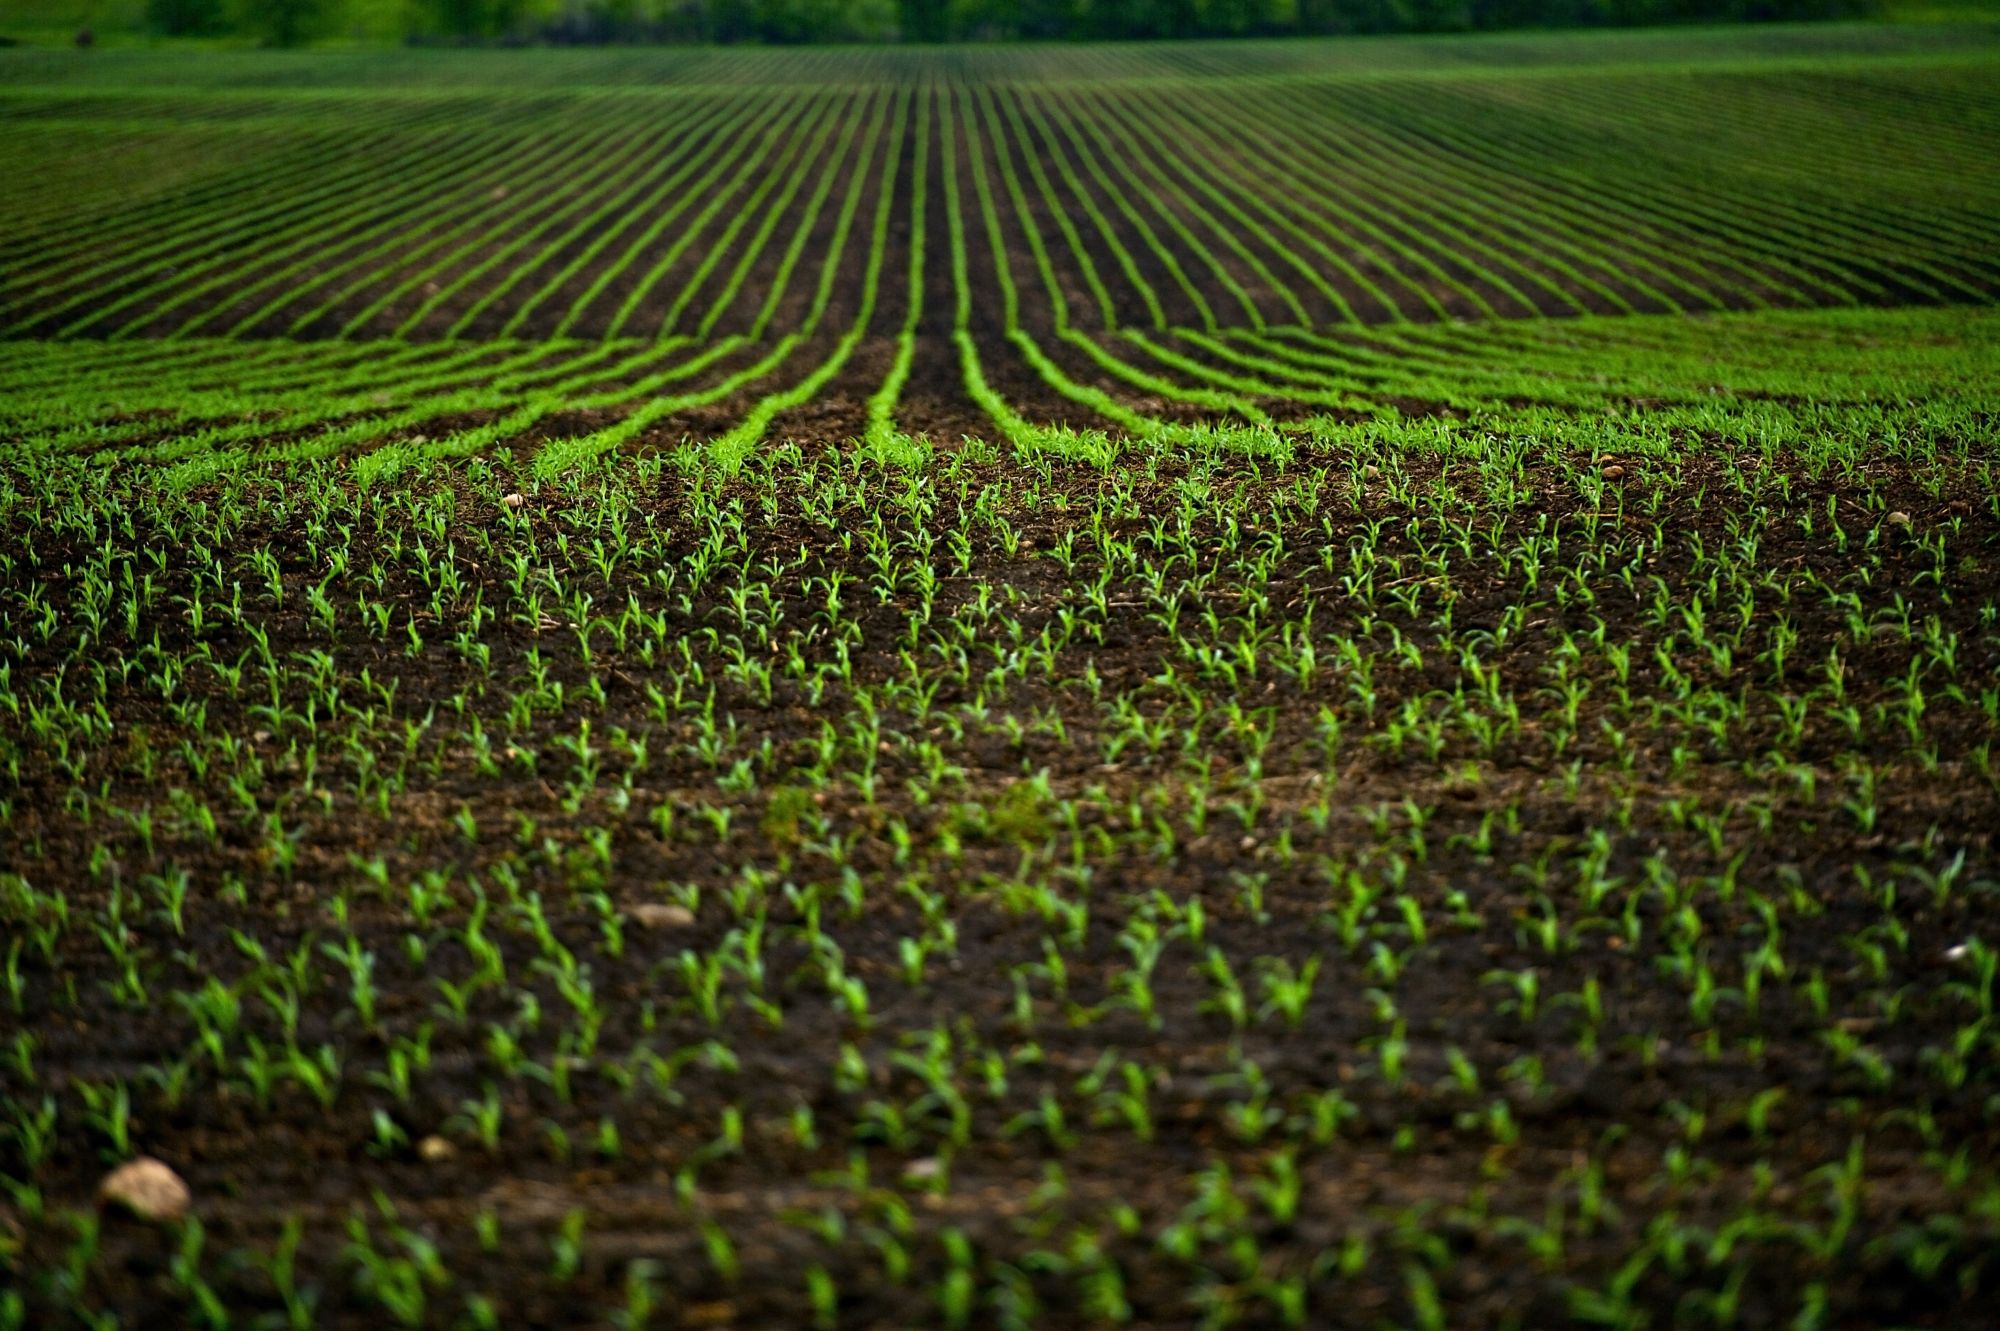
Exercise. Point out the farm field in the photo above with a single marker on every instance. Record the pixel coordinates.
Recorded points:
(1274, 684)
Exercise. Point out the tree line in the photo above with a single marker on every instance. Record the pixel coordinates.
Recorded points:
(290, 22)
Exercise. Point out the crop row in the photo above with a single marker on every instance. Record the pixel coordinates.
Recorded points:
(1229, 199)
(201, 408)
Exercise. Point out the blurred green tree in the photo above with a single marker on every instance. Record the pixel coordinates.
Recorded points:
(187, 18)
(287, 22)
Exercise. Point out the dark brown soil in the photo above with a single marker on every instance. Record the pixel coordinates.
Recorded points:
(1646, 1118)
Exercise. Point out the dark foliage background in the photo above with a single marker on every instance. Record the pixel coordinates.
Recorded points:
(802, 21)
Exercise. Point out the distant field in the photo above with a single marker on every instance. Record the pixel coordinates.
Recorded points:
(1343, 684)
(978, 240)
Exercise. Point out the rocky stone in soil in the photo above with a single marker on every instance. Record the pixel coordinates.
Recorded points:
(147, 1189)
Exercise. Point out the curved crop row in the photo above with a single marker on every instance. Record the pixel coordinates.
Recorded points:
(1217, 190)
